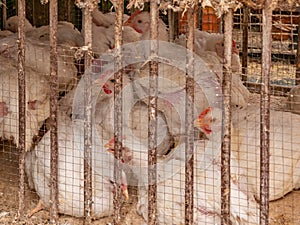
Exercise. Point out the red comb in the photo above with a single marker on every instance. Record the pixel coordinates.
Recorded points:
(204, 113)
(233, 43)
(133, 15)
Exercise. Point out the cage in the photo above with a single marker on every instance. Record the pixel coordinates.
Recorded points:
(174, 114)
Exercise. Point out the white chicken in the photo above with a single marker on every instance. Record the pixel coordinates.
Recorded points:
(13, 22)
(67, 34)
(207, 183)
(140, 21)
(245, 148)
(37, 57)
(103, 32)
(284, 149)
(207, 42)
(135, 116)
(71, 173)
(5, 33)
(210, 48)
(37, 98)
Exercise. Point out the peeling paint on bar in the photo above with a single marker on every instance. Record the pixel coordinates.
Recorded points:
(152, 116)
(189, 125)
(87, 31)
(53, 18)
(22, 105)
(118, 122)
(265, 112)
(225, 152)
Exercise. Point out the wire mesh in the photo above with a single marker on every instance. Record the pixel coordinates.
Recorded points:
(284, 47)
(242, 190)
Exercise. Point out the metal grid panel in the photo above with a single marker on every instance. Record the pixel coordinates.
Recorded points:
(183, 184)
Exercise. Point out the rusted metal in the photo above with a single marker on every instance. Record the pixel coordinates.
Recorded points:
(189, 115)
(118, 122)
(87, 31)
(225, 152)
(4, 13)
(53, 17)
(245, 43)
(22, 105)
(265, 112)
(298, 56)
(171, 23)
(152, 117)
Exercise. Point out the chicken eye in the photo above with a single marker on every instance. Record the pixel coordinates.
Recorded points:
(139, 21)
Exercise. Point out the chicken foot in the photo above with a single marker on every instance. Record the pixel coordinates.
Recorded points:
(40, 206)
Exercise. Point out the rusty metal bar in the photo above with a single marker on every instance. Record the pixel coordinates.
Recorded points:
(171, 23)
(87, 32)
(53, 17)
(189, 115)
(245, 43)
(22, 105)
(118, 122)
(152, 117)
(225, 152)
(265, 112)
(4, 14)
(298, 55)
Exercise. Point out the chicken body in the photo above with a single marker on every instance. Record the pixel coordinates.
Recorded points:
(71, 172)
(284, 149)
(207, 194)
(37, 101)
(209, 47)
(12, 24)
(103, 32)
(67, 34)
(37, 57)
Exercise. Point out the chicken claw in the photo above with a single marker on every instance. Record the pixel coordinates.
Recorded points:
(40, 206)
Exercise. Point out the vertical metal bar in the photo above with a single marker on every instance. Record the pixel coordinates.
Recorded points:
(265, 112)
(225, 153)
(171, 23)
(118, 122)
(22, 104)
(53, 17)
(245, 44)
(4, 15)
(189, 115)
(298, 55)
(87, 31)
(152, 116)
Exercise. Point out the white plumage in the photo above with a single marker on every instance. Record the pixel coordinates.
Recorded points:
(37, 101)
(207, 193)
(12, 24)
(284, 149)
(140, 21)
(71, 172)
(103, 32)
(37, 57)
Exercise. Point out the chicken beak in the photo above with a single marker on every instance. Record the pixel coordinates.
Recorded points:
(236, 51)
(125, 193)
(127, 23)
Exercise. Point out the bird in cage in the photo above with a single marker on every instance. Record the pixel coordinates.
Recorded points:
(37, 103)
(71, 173)
(140, 22)
(245, 147)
